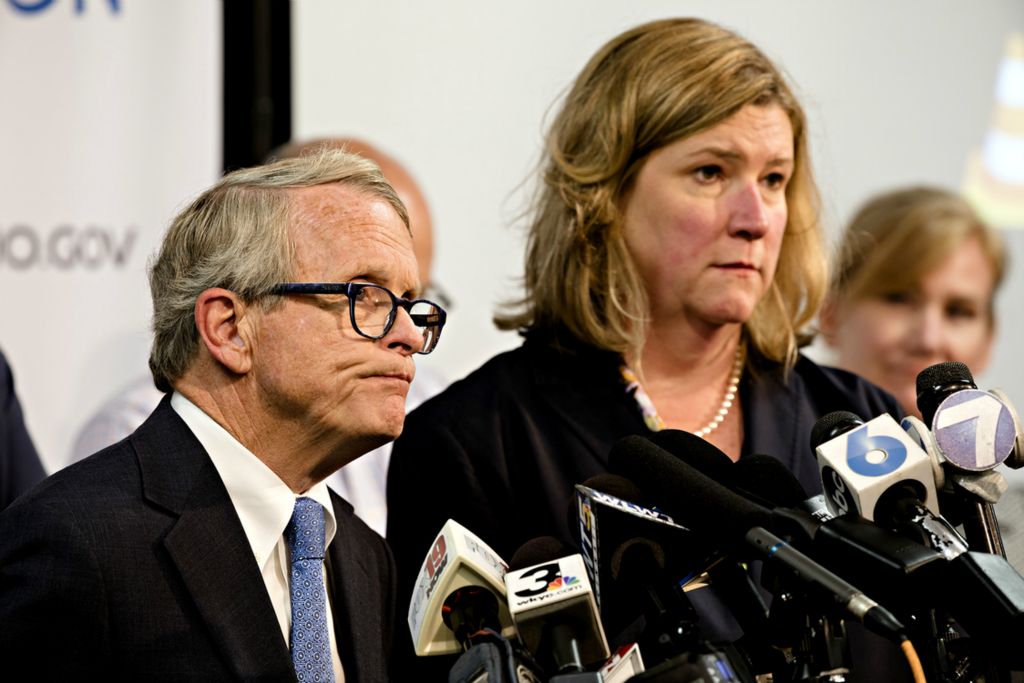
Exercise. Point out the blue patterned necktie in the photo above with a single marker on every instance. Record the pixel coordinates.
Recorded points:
(310, 642)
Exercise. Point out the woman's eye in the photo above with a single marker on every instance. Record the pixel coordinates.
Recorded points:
(962, 311)
(896, 297)
(708, 173)
(776, 181)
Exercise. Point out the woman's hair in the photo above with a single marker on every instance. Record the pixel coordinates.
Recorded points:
(897, 238)
(653, 85)
(235, 236)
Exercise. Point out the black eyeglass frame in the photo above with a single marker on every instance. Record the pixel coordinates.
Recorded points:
(352, 289)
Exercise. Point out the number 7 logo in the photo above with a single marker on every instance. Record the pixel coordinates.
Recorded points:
(974, 430)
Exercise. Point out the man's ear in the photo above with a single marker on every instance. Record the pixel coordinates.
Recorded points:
(827, 320)
(221, 321)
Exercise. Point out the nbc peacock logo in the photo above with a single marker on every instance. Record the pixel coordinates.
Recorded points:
(563, 582)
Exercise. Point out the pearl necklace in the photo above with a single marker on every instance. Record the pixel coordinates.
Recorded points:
(730, 396)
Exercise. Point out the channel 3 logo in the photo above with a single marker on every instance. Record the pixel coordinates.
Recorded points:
(545, 578)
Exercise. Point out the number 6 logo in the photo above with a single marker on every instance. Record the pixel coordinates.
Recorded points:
(859, 445)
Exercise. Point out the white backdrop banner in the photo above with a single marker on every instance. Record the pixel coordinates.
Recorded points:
(110, 121)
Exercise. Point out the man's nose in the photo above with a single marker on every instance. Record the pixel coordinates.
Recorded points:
(404, 336)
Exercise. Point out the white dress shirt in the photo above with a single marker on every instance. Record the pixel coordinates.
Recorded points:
(264, 505)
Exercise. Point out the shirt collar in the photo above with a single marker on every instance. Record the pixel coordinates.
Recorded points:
(263, 502)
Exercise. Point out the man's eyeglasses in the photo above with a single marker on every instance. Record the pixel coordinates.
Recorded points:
(373, 309)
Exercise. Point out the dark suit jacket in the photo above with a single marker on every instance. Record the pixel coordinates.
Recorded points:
(20, 468)
(133, 565)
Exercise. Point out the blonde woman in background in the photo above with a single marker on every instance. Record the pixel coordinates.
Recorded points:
(915, 286)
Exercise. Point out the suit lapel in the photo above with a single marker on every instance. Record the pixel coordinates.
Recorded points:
(209, 549)
(352, 585)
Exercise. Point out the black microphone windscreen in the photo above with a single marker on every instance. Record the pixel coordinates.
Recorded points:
(768, 481)
(681, 490)
(938, 381)
(696, 452)
(832, 425)
(538, 550)
(941, 374)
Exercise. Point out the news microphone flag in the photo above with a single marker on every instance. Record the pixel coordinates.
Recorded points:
(859, 465)
(624, 663)
(457, 558)
(556, 590)
(606, 521)
(974, 430)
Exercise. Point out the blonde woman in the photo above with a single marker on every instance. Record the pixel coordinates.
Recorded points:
(674, 259)
(915, 286)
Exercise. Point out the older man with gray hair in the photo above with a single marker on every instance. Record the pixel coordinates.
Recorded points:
(206, 545)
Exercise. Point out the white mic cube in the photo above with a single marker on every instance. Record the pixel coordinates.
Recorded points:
(859, 466)
(561, 586)
(458, 558)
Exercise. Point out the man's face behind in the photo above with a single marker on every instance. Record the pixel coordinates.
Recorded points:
(315, 373)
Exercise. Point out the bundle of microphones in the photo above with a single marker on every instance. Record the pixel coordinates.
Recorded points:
(681, 544)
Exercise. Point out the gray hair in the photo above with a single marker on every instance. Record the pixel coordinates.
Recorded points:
(235, 236)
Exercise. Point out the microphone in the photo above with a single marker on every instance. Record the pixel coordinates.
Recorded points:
(839, 542)
(459, 591)
(689, 495)
(640, 560)
(623, 665)
(553, 608)
(974, 431)
(812, 642)
(697, 453)
(981, 592)
(765, 479)
(647, 561)
(492, 659)
(732, 583)
(868, 468)
(876, 471)
(614, 526)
